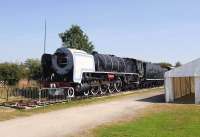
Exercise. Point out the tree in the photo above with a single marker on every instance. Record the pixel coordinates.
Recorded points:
(33, 67)
(76, 38)
(23, 71)
(10, 73)
(178, 64)
(165, 65)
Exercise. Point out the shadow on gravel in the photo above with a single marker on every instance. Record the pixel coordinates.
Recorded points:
(154, 99)
(189, 99)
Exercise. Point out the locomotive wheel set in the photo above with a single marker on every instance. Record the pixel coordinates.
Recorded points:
(95, 74)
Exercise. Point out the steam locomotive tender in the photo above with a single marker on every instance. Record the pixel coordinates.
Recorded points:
(96, 73)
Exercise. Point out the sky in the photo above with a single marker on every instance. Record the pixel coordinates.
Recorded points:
(150, 30)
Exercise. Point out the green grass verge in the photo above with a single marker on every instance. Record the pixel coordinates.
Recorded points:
(6, 114)
(169, 121)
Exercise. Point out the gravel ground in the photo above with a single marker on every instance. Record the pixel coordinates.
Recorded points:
(72, 121)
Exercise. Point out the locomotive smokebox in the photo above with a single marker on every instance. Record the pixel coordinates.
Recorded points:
(62, 61)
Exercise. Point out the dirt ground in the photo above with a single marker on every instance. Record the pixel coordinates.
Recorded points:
(74, 121)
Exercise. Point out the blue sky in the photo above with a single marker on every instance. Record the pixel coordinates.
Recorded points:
(151, 30)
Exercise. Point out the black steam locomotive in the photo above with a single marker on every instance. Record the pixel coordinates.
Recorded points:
(96, 73)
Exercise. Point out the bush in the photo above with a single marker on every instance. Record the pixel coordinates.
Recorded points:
(10, 72)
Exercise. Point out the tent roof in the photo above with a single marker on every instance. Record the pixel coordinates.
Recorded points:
(190, 69)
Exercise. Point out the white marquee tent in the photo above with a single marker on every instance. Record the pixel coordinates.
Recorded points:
(183, 81)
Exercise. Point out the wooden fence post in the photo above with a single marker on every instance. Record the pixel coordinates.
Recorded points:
(40, 95)
(7, 94)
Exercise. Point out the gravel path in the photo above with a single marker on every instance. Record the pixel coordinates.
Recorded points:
(67, 122)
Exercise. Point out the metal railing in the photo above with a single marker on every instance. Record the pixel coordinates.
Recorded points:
(12, 93)
(63, 93)
(34, 96)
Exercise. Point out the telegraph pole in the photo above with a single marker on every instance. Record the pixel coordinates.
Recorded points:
(45, 35)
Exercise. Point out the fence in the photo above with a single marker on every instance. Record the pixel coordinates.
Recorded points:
(13, 93)
(33, 96)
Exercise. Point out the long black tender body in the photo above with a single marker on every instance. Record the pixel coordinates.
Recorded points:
(112, 73)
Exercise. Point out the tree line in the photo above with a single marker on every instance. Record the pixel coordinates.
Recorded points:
(13, 72)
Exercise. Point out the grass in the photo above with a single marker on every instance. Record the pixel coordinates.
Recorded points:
(160, 121)
(6, 114)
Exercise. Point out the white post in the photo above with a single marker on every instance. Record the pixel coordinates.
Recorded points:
(40, 95)
(197, 90)
(169, 95)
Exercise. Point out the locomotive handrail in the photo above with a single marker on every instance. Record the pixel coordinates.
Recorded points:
(117, 73)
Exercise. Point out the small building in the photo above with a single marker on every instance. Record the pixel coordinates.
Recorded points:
(183, 81)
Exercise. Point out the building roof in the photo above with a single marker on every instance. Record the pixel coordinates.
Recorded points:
(191, 69)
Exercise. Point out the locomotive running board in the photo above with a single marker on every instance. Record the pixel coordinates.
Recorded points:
(154, 79)
(115, 73)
